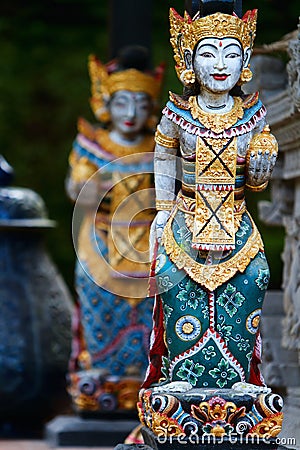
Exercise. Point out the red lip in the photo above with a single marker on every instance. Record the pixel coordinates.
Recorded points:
(128, 123)
(220, 77)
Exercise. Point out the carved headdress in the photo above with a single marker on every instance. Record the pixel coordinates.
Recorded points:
(127, 72)
(209, 21)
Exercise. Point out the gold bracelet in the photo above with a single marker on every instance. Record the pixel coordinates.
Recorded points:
(165, 141)
(259, 188)
(164, 205)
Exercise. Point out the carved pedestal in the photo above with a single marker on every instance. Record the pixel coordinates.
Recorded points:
(209, 417)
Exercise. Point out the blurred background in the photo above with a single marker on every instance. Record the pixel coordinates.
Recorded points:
(45, 87)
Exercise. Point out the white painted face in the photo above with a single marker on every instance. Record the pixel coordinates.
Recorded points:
(218, 63)
(129, 111)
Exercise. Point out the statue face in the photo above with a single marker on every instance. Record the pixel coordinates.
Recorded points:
(129, 111)
(218, 63)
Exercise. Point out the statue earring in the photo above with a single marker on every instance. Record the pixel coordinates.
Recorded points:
(245, 76)
(188, 77)
(103, 116)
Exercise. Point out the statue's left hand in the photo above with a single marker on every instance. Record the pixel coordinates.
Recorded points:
(260, 167)
(260, 159)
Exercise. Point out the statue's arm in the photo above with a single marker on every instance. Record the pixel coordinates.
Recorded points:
(167, 145)
(261, 157)
(80, 171)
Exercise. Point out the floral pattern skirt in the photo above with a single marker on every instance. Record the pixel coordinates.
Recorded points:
(210, 336)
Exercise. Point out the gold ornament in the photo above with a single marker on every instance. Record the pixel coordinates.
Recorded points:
(188, 77)
(85, 128)
(217, 122)
(258, 188)
(186, 33)
(211, 276)
(214, 412)
(164, 205)
(163, 426)
(245, 76)
(85, 360)
(159, 421)
(100, 269)
(105, 84)
(188, 205)
(269, 426)
(82, 168)
(261, 143)
(103, 138)
(86, 403)
(215, 170)
(127, 391)
(164, 140)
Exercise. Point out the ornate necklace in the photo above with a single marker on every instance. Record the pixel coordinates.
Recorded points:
(217, 122)
(104, 140)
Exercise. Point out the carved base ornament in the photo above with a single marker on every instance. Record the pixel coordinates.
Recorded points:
(95, 391)
(220, 413)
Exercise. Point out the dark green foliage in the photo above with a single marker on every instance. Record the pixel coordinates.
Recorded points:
(44, 88)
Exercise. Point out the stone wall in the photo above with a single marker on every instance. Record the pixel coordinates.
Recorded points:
(279, 86)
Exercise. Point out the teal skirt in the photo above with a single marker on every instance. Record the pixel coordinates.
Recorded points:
(211, 335)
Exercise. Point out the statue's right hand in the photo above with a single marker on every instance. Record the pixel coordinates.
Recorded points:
(161, 220)
(157, 228)
(89, 194)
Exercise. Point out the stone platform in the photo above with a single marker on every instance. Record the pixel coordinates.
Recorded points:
(36, 444)
(74, 431)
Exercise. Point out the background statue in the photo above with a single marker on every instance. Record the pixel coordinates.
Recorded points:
(210, 273)
(110, 179)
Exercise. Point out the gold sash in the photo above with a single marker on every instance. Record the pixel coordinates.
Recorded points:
(215, 180)
(132, 211)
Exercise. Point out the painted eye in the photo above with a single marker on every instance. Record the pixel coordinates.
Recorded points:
(143, 106)
(232, 55)
(207, 55)
(120, 104)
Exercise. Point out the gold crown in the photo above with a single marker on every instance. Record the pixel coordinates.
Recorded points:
(186, 33)
(104, 84)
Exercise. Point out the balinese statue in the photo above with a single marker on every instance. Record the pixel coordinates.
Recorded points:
(209, 270)
(110, 177)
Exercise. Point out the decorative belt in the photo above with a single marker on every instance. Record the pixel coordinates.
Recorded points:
(187, 203)
(210, 276)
